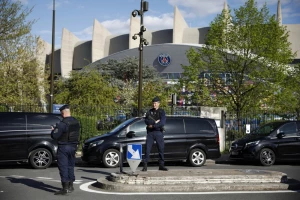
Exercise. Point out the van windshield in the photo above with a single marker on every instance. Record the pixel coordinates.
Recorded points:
(267, 128)
(122, 125)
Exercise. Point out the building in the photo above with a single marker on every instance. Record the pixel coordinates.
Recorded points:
(166, 49)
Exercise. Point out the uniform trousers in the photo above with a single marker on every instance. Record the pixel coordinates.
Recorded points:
(159, 138)
(66, 162)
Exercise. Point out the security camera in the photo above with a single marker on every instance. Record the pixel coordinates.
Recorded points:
(134, 37)
(143, 28)
(133, 13)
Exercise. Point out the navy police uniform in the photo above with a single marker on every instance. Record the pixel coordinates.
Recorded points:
(67, 134)
(155, 133)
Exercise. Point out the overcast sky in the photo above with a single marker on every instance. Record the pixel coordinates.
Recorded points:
(78, 15)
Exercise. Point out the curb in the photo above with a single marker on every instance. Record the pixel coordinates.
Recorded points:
(204, 180)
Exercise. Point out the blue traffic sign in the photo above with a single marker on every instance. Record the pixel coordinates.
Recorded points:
(134, 151)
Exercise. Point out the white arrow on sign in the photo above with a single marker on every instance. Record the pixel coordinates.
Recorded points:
(135, 154)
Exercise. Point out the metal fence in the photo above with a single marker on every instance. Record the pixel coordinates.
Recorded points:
(93, 118)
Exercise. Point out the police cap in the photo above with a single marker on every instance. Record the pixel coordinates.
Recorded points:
(64, 107)
(155, 99)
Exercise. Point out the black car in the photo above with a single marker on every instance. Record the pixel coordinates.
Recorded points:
(190, 139)
(279, 140)
(26, 137)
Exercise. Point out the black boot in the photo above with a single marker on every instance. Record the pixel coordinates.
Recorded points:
(162, 168)
(70, 188)
(145, 167)
(64, 190)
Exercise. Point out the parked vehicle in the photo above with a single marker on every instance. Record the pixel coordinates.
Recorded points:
(274, 141)
(26, 137)
(186, 138)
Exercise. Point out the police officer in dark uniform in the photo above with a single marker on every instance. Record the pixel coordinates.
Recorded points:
(155, 120)
(67, 134)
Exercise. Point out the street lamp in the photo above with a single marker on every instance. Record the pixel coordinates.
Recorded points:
(52, 60)
(143, 41)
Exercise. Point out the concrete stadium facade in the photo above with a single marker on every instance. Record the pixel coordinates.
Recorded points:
(166, 50)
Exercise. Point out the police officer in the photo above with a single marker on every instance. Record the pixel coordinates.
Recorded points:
(155, 120)
(67, 134)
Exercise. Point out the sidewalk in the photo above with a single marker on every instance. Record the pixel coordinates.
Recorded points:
(195, 180)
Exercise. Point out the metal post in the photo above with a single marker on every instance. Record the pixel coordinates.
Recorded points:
(52, 60)
(141, 63)
(143, 41)
(121, 158)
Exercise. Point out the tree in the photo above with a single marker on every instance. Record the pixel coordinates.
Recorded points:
(252, 47)
(21, 76)
(287, 99)
(125, 75)
(13, 22)
(85, 87)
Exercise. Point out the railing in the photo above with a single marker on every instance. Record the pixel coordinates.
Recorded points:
(92, 117)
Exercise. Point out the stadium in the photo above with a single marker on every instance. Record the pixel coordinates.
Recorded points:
(166, 50)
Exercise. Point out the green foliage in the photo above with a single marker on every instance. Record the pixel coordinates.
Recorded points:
(21, 76)
(124, 74)
(13, 23)
(252, 47)
(287, 98)
(85, 87)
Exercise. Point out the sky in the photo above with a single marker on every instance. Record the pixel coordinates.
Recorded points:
(78, 15)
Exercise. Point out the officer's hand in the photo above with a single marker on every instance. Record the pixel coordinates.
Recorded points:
(157, 121)
(149, 126)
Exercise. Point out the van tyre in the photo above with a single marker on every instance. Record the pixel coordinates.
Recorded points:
(40, 158)
(111, 158)
(197, 157)
(267, 157)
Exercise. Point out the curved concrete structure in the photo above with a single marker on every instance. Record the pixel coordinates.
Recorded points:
(173, 43)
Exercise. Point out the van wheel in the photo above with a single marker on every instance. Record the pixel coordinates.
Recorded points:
(40, 158)
(197, 157)
(111, 158)
(267, 157)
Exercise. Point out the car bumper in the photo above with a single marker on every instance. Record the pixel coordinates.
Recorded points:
(245, 154)
(90, 155)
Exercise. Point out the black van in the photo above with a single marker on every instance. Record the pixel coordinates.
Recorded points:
(274, 141)
(26, 137)
(186, 138)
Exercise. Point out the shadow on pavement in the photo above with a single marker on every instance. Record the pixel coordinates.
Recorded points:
(34, 184)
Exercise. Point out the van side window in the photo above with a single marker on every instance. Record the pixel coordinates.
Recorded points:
(289, 129)
(139, 128)
(14, 121)
(174, 126)
(41, 121)
(197, 126)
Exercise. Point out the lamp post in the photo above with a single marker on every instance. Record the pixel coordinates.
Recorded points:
(143, 41)
(52, 60)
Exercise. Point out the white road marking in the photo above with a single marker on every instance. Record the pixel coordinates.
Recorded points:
(85, 187)
(40, 178)
(44, 178)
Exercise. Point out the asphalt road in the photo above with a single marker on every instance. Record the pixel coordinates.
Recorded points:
(19, 181)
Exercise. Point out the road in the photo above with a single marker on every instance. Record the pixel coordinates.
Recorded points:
(19, 181)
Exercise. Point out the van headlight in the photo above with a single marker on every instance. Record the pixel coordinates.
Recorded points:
(93, 144)
(249, 144)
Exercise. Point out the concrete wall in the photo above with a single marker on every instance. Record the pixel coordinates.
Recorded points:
(195, 35)
(69, 41)
(162, 36)
(134, 28)
(98, 42)
(82, 55)
(179, 25)
(117, 43)
(294, 37)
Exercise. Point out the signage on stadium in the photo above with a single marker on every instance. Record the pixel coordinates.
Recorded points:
(164, 59)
